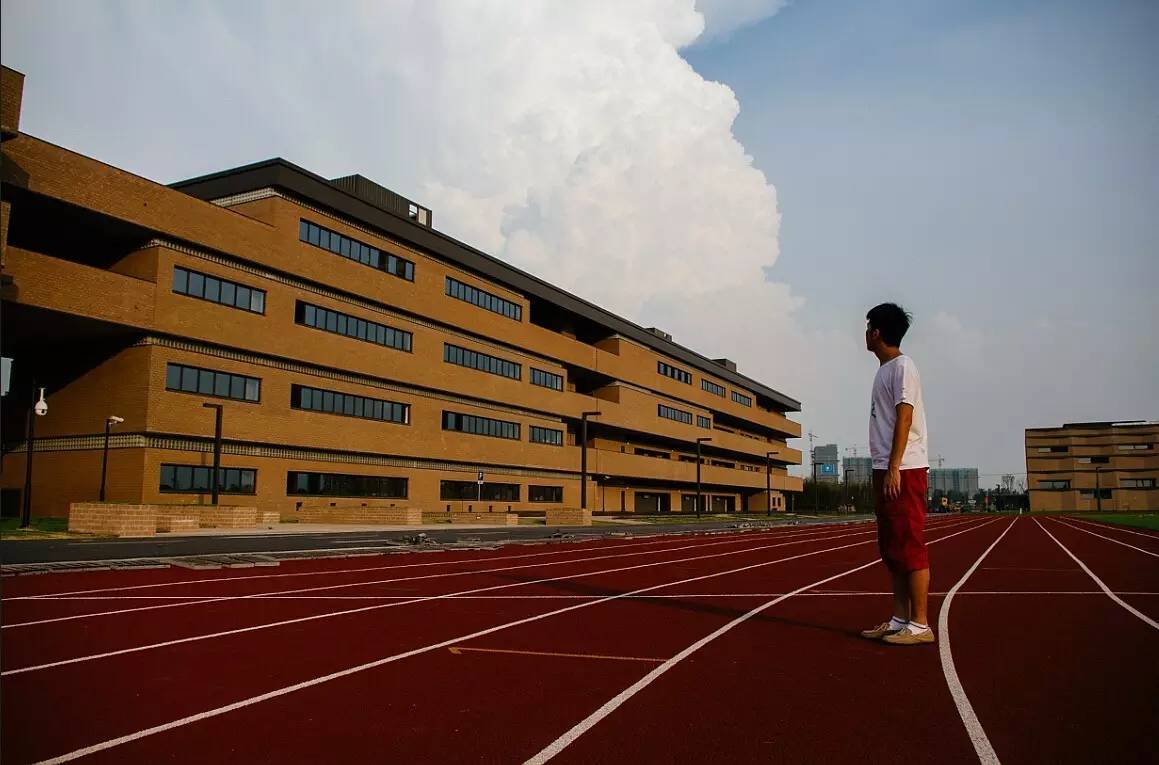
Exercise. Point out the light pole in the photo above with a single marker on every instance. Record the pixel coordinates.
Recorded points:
(215, 479)
(584, 457)
(1098, 492)
(769, 482)
(109, 422)
(40, 408)
(699, 441)
(847, 472)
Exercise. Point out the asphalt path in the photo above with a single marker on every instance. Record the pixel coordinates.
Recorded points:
(58, 550)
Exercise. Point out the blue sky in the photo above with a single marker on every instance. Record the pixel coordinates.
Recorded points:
(993, 166)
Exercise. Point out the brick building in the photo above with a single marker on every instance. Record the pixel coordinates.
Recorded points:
(1093, 466)
(359, 355)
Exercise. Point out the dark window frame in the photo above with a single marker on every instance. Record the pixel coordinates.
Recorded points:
(294, 479)
(233, 378)
(352, 249)
(545, 494)
(362, 407)
(199, 476)
(353, 327)
(184, 275)
(482, 362)
(482, 299)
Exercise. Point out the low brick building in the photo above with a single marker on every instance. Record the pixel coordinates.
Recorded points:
(1093, 466)
(358, 354)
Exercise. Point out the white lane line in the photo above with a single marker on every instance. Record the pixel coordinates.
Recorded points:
(1113, 527)
(424, 599)
(611, 544)
(1109, 539)
(114, 742)
(750, 595)
(985, 751)
(1099, 582)
(561, 743)
(449, 574)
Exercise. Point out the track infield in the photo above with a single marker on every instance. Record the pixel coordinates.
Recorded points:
(724, 647)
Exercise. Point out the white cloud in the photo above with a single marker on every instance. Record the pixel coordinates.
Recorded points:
(723, 17)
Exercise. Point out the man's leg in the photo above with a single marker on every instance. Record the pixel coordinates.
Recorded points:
(917, 589)
(901, 596)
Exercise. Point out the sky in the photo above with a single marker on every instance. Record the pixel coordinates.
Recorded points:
(751, 176)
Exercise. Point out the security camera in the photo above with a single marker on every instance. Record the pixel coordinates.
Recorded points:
(41, 406)
(115, 420)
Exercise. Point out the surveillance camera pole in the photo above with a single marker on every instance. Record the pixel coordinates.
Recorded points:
(109, 421)
(26, 509)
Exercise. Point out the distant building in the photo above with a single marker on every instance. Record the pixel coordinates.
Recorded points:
(857, 470)
(825, 464)
(1093, 466)
(958, 480)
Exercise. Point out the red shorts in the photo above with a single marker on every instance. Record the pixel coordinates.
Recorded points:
(901, 521)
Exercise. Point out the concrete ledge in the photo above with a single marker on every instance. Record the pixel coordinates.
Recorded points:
(112, 519)
(360, 514)
(269, 518)
(569, 517)
(495, 519)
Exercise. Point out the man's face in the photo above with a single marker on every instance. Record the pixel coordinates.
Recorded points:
(872, 337)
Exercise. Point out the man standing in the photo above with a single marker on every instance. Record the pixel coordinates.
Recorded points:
(897, 444)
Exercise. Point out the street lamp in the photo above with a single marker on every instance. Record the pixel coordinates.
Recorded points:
(699, 441)
(584, 457)
(847, 472)
(769, 482)
(40, 408)
(216, 478)
(110, 422)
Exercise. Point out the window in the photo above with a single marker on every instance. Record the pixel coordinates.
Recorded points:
(1090, 493)
(546, 379)
(674, 373)
(1054, 484)
(207, 382)
(742, 399)
(475, 296)
(453, 354)
(712, 387)
(352, 249)
(469, 490)
(215, 290)
(703, 422)
(675, 414)
(653, 453)
(344, 485)
(1136, 483)
(348, 404)
(480, 426)
(1134, 447)
(1094, 460)
(546, 436)
(1053, 449)
(353, 327)
(194, 479)
(545, 494)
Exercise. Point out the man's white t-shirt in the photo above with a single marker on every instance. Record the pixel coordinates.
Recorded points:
(897, 382)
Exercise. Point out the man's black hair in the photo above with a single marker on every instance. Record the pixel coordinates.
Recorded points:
(891, 320)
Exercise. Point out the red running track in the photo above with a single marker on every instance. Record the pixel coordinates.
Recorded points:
(568, 632)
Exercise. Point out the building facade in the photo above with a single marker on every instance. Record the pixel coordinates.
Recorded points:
(1093, 466)
(359, 357)
(825, 464)
(857, 470)
(958, 480)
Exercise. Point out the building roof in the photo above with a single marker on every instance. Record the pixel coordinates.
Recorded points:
(302, 184)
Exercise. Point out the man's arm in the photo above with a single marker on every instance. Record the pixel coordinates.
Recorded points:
(905, 416)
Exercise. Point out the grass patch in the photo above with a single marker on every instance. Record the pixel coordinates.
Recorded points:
(41, 528)
(1138, 520)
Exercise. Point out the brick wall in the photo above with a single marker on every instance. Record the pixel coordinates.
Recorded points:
(112, 520)
(569, 517)
(387, 516)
